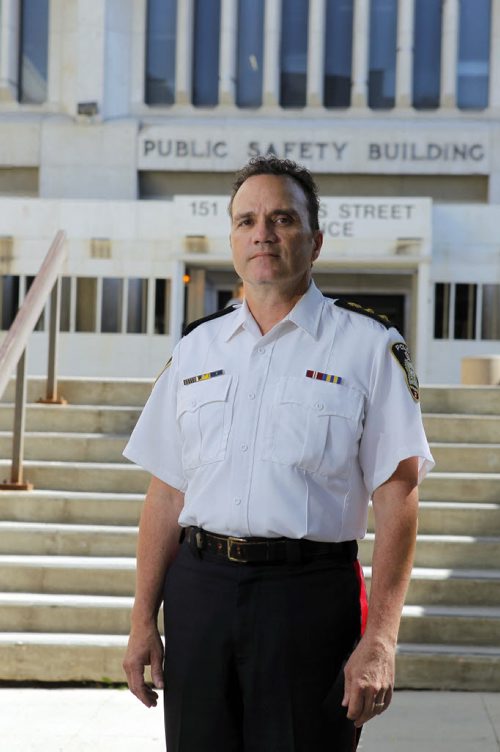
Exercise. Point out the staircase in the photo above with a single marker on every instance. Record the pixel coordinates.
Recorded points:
(67, 548)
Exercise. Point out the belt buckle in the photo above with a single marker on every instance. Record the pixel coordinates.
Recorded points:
(232, 541)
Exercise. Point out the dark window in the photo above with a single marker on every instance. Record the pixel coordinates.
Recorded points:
(162, 303)
(65, 305)
(111, 305)
(293, 56)
(86, 299)
(160, 51)
(40, 324)
(206, 53)
(473, 54)
(490, 314)
(427, 54)
(441, 310)
(250, 53)
(9, 300)
(382, 66)
(338, 53)
(34, 51)
(465, 311)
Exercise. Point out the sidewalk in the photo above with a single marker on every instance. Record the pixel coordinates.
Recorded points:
(112, 720)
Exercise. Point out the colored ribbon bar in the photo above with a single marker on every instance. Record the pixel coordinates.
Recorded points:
(202, 377)
(324, 377)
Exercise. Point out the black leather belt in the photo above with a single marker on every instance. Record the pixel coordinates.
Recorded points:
(260, 550)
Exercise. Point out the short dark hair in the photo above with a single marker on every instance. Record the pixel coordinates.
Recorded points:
(272, 165)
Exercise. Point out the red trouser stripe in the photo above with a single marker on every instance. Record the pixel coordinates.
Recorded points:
(363, 599)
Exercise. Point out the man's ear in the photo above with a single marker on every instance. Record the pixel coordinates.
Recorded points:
(318, 242)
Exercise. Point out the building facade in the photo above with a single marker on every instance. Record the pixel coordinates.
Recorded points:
(123, 121)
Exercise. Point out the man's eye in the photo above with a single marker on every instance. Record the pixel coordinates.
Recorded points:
(283, 220)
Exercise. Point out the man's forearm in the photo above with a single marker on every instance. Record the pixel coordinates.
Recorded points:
(156, 548)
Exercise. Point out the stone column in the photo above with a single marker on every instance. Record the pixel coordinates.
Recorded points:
(361, 41)
(184, 54)
(272, 35)
(227, 61)
(316, 53)
(449, 54)
(138, 72)
(495, 56)
(404, 59)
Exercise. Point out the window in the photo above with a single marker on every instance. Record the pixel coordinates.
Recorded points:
(473, 54)
(9, 299)
(162, 306)
(34, 51)
(137, 306)
(427, 54)
(465, 311)
(490, 312)
(86, 299)
(206, 53)
(111, 304)
(160, 51)
(338, 53)
(250, 53)
(382, 65)
(293, 55)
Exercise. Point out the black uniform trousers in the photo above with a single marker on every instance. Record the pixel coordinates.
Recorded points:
(254, 654)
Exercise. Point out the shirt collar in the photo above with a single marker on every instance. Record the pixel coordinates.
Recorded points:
(305, 314)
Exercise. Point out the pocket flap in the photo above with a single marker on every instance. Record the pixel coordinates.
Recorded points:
(193, 396)
(323, 397)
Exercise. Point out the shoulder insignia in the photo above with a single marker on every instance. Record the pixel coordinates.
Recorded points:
(402, 355)
(192, 326)
(349, 305)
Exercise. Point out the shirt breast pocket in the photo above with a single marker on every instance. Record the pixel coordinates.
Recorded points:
(315, 426)
(204, 414)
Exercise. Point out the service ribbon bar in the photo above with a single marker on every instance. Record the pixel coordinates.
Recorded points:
(202, 377)
(324, 377)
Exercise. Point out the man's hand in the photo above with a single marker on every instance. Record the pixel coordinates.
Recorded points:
(145, 648)
(369, 680)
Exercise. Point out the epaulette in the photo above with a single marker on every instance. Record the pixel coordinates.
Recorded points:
(192, 326)
(349, 305)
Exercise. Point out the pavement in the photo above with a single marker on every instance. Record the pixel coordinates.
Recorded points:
(112, 720)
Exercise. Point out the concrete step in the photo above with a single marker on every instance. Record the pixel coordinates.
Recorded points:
(89, 391)
(32, 538)
(74, 418)
(41, 612)
(79, 575)
(462, 518)
(451, 587)
(53, 657)
(82, 476)
(475, 668)
(68, 447)
(459, 458)
(451, 427)
(471, 487)
(102, 614)
(460, 625)
(477, 400)
(446, 551)
(77, 507)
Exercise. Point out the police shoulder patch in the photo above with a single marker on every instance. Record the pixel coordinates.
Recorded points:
(349, 305)
(402, 355)
(192, 326)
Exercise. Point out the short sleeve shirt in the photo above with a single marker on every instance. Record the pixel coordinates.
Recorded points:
(283, 434)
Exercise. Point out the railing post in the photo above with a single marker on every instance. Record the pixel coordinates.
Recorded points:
(55, 318)
(16, 475)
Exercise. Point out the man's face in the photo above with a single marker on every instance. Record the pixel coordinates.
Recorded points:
(271, 238)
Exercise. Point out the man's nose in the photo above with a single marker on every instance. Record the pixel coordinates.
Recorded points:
(264, 231)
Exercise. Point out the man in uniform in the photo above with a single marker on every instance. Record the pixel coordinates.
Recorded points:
(274, 424)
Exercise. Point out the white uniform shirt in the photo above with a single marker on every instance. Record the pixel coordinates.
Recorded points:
(261, 449)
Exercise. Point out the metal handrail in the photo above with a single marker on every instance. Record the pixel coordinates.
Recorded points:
(13, 349)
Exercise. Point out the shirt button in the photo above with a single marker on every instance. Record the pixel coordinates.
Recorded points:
(319, 405)
(251, 396)
(244, 447)
(193, 403)
(262, 350)
(237, 500)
